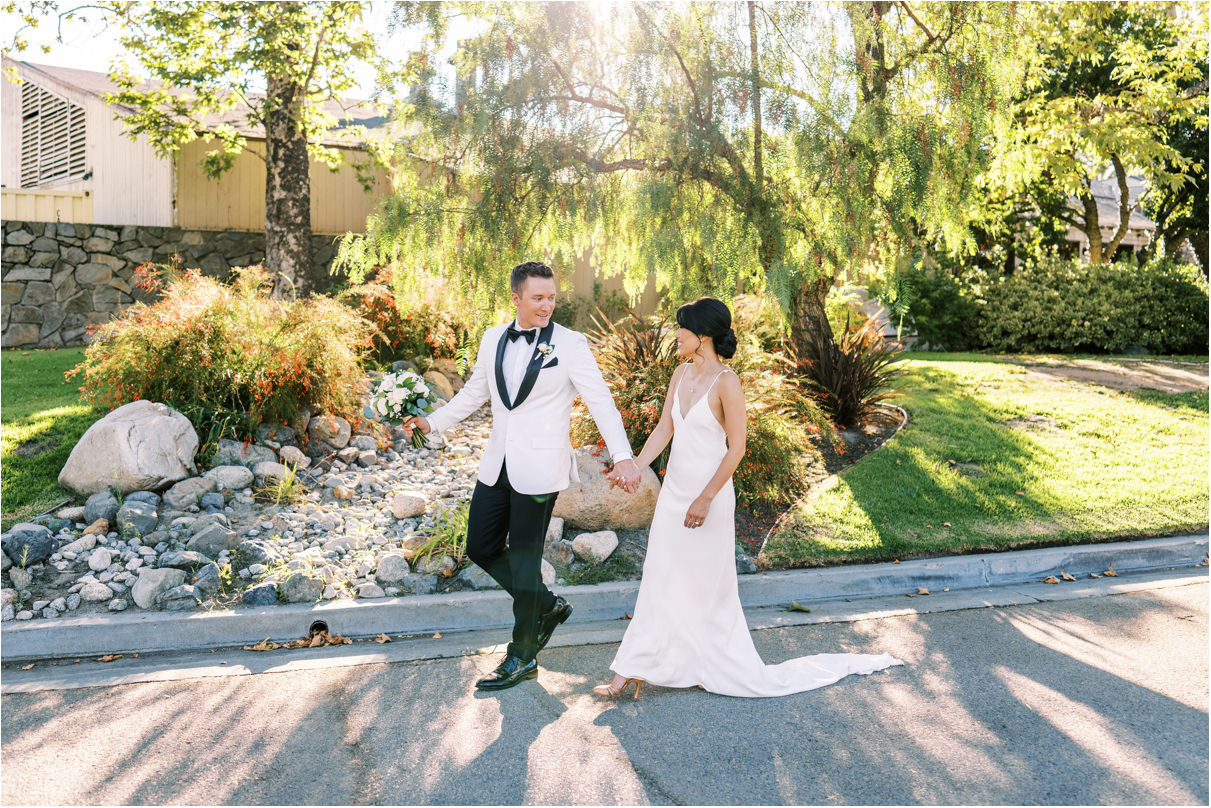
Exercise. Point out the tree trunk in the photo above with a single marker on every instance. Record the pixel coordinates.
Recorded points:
(1124, 207)
(1093, 228)
(288, 191)
(809, 319)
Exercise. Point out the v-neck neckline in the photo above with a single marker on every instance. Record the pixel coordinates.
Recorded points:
(677, 395)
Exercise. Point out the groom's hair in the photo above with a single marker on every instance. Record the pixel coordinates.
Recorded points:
(530, 269)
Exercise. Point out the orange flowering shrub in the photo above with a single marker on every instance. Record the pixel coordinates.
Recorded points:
(638, 360)
(205, 346)
(416, 329)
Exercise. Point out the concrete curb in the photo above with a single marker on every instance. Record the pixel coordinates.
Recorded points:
(148, 632)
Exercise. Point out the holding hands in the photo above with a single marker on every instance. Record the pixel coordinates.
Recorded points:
(626, 475)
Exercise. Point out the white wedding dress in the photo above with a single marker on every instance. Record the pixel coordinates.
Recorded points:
(689, 628)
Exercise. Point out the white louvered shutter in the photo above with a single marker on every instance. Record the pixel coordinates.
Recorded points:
(52, 137)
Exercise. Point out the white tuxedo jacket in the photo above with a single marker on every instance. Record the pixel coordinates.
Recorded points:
(531, 434)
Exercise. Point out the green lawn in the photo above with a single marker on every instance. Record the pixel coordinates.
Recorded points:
(995, 457)
(41, 419)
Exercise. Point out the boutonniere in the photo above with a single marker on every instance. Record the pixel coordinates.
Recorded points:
(546, 349)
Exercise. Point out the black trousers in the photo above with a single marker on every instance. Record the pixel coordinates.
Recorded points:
(499, 513)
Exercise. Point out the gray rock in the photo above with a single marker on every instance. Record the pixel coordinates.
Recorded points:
(80, 545)
(392, 569)
(349, 454)
(101, 505)
(745, 565)
(96, 592)
(548, 573)
(367, 459)
(301, 588)
(270, 469)
(22, 579)
(369, 590)
(73, 601)
(7, 612)
(559, 552)
(150, 497)
(330, 429)
(140, 446)
(235, 453)
(212, 500)
(364, 443)
(596, 547)
(100, 559)
(213, 539)
(554, 530)
(180, 598)
(407, 504)
(118, 605)
(270, 432)
(232, 477)
(188, 560)
(208, 579)
(188, 492)
(475, 578)
(73, 514)
(263, 594)
(152, 583)
(5, 561)
(137, 518)
(27, 543)
(256, 552)
(294, 457)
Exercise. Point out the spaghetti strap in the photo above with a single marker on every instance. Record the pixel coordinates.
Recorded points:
(712, 384)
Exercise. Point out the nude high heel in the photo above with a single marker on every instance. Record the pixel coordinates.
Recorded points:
(614, 689)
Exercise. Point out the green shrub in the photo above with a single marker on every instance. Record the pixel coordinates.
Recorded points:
(404, 330)
(1060, 305)
(941, 310)
(225, 352)
(578, 313)
(638, 360)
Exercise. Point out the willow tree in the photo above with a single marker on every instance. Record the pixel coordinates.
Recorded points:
(704, 142)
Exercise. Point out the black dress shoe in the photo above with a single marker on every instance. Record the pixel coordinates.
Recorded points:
(548, 622)
(512, 670)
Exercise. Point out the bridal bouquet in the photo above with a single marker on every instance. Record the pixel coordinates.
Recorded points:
(400, 396)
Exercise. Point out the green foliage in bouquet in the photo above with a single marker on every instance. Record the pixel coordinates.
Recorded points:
(227, 354)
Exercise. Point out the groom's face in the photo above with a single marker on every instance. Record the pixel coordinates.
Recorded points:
(535, 302)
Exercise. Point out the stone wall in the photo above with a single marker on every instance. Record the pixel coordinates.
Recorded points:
(58, 278)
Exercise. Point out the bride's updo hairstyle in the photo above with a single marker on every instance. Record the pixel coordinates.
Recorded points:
(708, 317)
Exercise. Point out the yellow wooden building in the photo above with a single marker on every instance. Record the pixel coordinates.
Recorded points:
(65, 158)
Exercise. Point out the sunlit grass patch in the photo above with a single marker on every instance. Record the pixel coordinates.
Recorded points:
(41, 419)
(995, 459)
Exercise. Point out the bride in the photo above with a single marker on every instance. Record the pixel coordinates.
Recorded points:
(689, 628)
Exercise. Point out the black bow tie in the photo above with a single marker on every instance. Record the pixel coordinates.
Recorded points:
(514, 334)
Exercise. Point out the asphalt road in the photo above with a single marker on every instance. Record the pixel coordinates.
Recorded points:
(1094, 701)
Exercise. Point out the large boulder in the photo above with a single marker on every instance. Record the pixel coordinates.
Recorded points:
(188, 492)
(592, 505)
(438, 381)
(27, 543)
(139, 446)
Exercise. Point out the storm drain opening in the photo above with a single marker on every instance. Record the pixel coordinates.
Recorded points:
(317, 627)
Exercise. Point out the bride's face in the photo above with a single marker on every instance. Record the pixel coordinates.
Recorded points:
(687, 343)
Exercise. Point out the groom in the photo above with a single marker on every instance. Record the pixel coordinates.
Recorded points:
(532, 370)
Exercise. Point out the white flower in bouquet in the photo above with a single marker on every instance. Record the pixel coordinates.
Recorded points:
(400, 396)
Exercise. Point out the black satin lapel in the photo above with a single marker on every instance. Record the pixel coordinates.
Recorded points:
(500, 369)
(527, 382)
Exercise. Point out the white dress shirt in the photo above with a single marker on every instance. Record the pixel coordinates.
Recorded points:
(516, 358)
